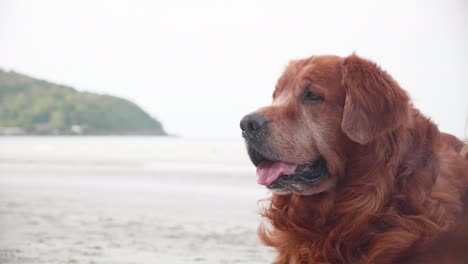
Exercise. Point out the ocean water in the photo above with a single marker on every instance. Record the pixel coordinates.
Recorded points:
(128, 200)
(122, 150)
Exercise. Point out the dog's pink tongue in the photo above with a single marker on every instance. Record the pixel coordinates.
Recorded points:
(268, 172)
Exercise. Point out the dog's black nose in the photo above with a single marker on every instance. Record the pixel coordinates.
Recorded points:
(252, 124)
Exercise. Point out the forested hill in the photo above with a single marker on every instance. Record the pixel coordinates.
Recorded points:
(32, 106)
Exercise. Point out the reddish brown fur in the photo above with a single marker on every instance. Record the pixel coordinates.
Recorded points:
(399, 185)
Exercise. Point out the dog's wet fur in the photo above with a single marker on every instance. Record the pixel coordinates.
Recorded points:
(376, 181)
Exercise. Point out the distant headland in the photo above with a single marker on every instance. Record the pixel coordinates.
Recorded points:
(29, 106)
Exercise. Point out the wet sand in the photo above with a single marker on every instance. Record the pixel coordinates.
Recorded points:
(69, 214)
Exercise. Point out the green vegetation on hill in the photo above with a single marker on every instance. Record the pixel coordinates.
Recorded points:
(32, 106)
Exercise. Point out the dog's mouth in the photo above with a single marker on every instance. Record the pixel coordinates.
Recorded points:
(282, 176)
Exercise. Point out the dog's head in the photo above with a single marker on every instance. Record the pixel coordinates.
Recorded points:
(322, 107)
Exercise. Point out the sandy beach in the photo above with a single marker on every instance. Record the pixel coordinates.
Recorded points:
(55, 211)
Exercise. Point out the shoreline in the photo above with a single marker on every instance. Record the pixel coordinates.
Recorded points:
(83, 215)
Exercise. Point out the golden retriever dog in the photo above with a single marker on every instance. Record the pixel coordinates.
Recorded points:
(357, 173)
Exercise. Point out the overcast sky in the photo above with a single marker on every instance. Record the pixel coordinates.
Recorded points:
(199, 66)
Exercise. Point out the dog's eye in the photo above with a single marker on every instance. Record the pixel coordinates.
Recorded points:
(312, 98)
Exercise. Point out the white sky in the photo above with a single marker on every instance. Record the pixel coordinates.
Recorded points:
(199, 66)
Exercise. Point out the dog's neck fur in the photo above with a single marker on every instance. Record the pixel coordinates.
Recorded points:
(370, 217)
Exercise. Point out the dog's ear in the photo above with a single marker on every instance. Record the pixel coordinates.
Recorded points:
(375, 104)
